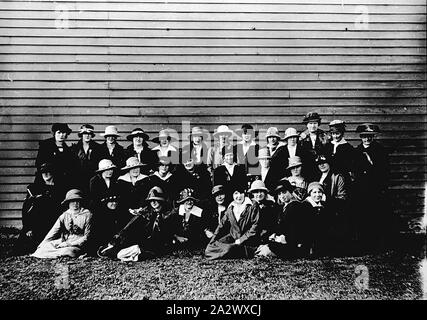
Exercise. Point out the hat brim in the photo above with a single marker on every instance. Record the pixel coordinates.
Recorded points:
(127, 168)
(294, 165)
(82, 133)
(157, 139)
(368, 133)
(105, 169)
(292, 135)
(185, 199)
(156, 198)
(273, 135)
(71, 199)
(223, 133)
(109, 134)
(312, 120)
(256, 189)
(239, 132)
(131, 136)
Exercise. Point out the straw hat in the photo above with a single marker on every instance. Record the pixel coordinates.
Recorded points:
(137, 132)
(314, 185)
(272, 132)
(73, 194)
(163, 134)
(337, 126)
(222, 130)
(197, 131)
(86, 128)
(156, 193)
(290, 132)
(132, 163)
(294, 162)
(258, 185)
(110, 131)
(105, 164)
(185, 195)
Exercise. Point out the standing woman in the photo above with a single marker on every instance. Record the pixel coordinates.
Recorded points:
(140, 149)
(247, 149)
(276, 147)
(295, 167)
(56, 152)
(164, 147)
(87, 152)
(197, 150)
(237, 234)
(215, 155)
(110, 149)
(70, 234)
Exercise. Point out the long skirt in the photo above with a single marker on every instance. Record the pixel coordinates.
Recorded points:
(48, 250)
(225, 248)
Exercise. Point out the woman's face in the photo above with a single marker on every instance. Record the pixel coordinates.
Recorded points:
(223, 139)
(189, 204)
(156, 205)
(111, 139)
(337, 136)
(228, 158)
(312, 126)
(163, 169)
(138, 140)
(292, 141)
(196, 140)
(324, 167)
(164, 142)
(220, 198)
(367, 140)
(47, 176)
(86, 137)
(259, 195)
(284, 196)
(189, 165)
(135, 172)
(107, 174)
(272, 141)
(296, 171)
(60, 136)
(112, 205)
(316, 194)
(238, 196)
(74, 205)
(247, 136)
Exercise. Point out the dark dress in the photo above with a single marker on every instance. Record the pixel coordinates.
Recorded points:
(248, 160)
(222, 244)
(189, 152)
(117, 156)
(342, 161)
(212, 216)
(192, 229)
(147, 156)
(171, 186)
(221, 176)
(197, 179)
(310, 153)
(268, 219)
(279, 160)
(87, 162)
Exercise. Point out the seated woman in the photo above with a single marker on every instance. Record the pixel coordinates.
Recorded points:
(148, 234)
(167, 179)
(237, 233)
(102, 183)
(295, 167)
(70, 234)
(215, 210)
(196, 178)
(40, 209)
(189, 222)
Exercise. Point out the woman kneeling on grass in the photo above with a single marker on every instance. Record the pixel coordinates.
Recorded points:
(70, 233)
(237, 233)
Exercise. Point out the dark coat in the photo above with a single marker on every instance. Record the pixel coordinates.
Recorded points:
(117, 157)
(192, 229)
(87, 162)
(211, 215)
(64, 163)
(268, 219)
(343, 160)
(310, 153)
(278, 161)
(147, 156)
(229, 230)
(221, 176)
(198, 179)
(250, 159)
(171, 186)
(189, 152)
(99, 190)
(133, 196)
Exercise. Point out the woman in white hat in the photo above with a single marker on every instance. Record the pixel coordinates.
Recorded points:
(164, 147)
(70, 234)
(215, 156)
(87, 152)
(277, 150)
(133, 185)
(197, 150)
(102, 183)
(295, 168)
(264, 172)
(140, 149)
(247, 149)
(237, 233)
(292, 144)
(111, 149)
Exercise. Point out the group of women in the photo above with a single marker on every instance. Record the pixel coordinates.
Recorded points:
(308, 193)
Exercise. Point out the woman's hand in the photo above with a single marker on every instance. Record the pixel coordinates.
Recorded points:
(208, 233)
(237, 241)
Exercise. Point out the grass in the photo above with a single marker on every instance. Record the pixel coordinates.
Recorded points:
(183, 276)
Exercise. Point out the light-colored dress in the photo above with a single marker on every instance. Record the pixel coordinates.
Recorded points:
(73, 228)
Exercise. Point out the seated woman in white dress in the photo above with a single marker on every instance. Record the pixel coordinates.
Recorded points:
(70, 233)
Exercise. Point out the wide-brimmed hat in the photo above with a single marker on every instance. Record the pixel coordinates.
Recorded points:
(258, 185)
(164, 160)
(367, 128)
(105, 164)
(294, 161)
(73, 194)
(337, 126)
(61, 127)
(291, 132)
(264, 153)
(284, 184)
(218, 189)
(222, 130)
(185, 195)
(272, 132)
(163, 134)
(313, 185)
(132, 163)
(312, 117)
(86, 128)
(156, 193)
(110, 131)
(137, 132)
(198, 131)
(45, 167)
(321, 158)
(245, 128)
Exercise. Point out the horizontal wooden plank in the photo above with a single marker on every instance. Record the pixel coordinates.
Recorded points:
(351, 51)
(17, 21)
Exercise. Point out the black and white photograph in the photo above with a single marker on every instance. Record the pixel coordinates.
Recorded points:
(213, 158)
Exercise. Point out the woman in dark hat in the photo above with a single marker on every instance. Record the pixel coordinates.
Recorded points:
(189, 221)
(371, 170)
(247, 149)
(312, 141)
(148, 234)
(87, 151)
(215, 210)
(40, 209)
(140, 149)
(111, 149)
(56, 152)
(70, 234)
(237, 232)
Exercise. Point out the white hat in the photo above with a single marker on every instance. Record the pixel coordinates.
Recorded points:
(272, 132)
(291, 132)
(105, 164)
(223, 130)
(258, 185)
(110, 131)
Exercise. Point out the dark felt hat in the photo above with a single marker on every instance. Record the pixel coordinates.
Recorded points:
(62, 127)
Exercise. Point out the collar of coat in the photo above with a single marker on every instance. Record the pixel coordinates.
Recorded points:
(342, 141)
(251, 144)
(157, 174)
(194, 211)
(170, 148)
(314, 204)
(126, 177)
(245, 203)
